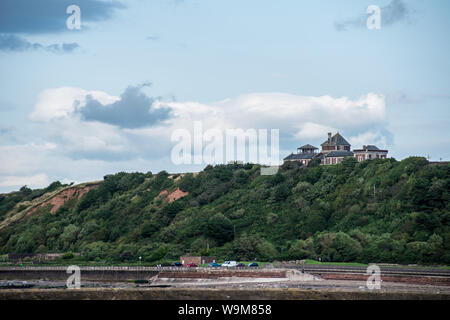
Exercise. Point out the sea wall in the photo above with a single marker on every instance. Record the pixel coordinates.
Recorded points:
(87, 274)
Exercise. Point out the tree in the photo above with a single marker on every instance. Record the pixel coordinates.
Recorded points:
(266, 251)
(94, 250)
(302, 186)
(25, 243)
(343, 248)
(245, 247)
(187, 183)
(277, 179)
(332, 207)
(26, 191)
(53, 186)
(302, 249)
(219, 228)
(69, 236)
(148, 228)
(158, 254)
(339, 247)
(281, 192)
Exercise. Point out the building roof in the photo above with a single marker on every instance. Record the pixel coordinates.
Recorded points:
(340, 153)
(369, 147)
(300, 156)
(307, 146)
(336, 140)
(319, 156)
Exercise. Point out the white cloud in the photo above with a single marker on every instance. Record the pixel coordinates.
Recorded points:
(72, 149)
(370, 137)
(74, 134)
(295, 116)
(311, 130)
(285, 111)
(23, 159)
(37, 180)
(62, 102)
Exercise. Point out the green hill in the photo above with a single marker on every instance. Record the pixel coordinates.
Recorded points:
(374, 211)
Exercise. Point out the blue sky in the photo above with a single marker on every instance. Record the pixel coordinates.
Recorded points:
(213, 61)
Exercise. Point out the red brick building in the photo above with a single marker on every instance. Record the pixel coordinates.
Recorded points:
(196, 259)
(335, 143)
(334, 150)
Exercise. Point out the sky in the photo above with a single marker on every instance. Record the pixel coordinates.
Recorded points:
(77, 104)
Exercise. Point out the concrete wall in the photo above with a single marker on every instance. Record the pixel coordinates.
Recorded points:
(87, 274)
(132, 273)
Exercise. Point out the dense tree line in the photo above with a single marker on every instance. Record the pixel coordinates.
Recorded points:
(373, 211)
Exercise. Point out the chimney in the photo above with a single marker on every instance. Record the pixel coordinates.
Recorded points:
(329, 137)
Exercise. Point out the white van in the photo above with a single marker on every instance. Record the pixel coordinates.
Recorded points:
(229, 264)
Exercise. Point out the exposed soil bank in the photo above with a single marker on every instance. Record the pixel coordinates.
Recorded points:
(211, 294)
(58, 200)
(422, 280)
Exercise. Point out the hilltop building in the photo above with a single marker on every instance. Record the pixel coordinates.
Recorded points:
(334, 150)
(304, 154)
(335, 143)
(370, 152)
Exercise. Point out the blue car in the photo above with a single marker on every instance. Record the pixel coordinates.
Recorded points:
(214, 265)
(253, 264)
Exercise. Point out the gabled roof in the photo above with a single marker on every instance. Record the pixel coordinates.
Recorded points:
(340, 153)
(319, 156)
(304, 156)
(337, 140)
(308, 146)
(300, 156)
(369, 147)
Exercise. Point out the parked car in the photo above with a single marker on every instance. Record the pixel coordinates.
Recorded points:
(177, 264)
(229, 264)
(253, 264)
(214, 264)
(192, 265)
(240, 265)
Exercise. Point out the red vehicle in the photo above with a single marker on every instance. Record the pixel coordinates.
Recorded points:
(191, 265)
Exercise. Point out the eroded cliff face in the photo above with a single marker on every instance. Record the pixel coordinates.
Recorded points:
(58, 200)
(174, 195)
